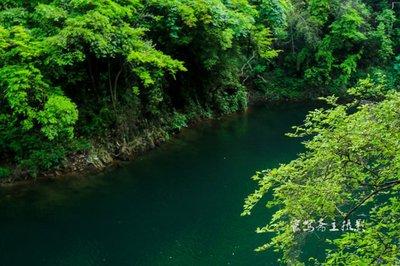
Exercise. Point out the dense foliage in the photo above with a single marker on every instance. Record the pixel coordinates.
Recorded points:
(327, 45)
(79, 70)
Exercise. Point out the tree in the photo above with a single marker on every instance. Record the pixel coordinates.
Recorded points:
(351, 162)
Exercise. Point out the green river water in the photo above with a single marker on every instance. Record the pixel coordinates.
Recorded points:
(179, 204)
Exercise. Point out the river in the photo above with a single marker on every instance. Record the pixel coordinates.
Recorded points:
(179, 204)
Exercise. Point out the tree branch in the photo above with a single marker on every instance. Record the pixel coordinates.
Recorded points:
(381, 188)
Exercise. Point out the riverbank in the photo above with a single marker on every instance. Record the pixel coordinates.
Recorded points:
(101, 156)
(104, 154)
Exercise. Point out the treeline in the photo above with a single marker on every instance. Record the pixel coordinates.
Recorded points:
(106, 77)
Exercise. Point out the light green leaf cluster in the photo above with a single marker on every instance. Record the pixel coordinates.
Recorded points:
(371, 88)
(58, 117)
(351, 161)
